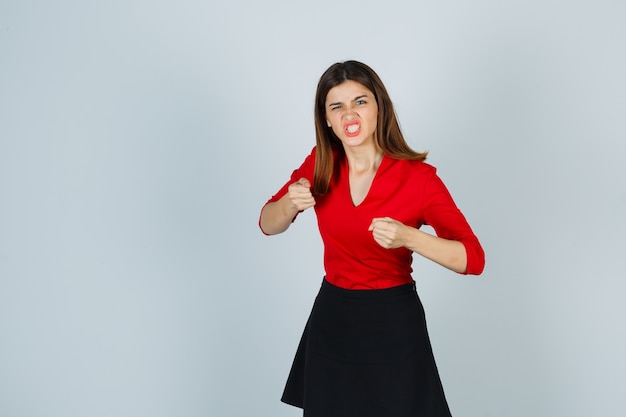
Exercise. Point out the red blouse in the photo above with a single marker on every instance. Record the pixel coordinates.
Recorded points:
(407, 191)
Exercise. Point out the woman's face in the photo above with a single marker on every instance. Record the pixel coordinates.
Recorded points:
(352, 113)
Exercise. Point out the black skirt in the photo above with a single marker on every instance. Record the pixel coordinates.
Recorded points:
(366, 353)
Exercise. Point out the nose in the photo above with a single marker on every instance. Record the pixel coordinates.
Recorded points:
(350, 113)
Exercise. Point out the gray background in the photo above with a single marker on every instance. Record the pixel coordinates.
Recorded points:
(139, 140)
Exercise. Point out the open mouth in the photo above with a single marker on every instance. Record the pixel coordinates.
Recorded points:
(352, 129)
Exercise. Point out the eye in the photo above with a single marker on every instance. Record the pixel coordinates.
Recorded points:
(335, 107)
(361, 102)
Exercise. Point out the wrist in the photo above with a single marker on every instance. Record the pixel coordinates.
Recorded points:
(412, 238)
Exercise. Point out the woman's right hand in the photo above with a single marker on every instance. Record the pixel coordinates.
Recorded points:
(278, 215)
(299, 193)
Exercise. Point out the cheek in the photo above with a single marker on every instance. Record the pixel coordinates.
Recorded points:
(337, 130)
(334, 121)
(329, 120)
(374, 120)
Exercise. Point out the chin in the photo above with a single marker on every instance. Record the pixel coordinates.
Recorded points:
(355, 142)
(352, 144)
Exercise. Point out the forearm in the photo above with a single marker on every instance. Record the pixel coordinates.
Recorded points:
(447, 253)
(276, 217)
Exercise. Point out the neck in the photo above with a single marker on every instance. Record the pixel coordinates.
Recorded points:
(364, 160)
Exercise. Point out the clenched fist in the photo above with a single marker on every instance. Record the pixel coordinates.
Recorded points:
(388, 233)
(300, 195)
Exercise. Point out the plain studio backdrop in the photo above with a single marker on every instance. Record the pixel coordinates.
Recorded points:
(140, 139)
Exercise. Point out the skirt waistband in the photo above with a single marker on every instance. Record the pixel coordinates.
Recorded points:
(329, 289)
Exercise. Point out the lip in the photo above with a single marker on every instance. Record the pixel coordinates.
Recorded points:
(352, 134)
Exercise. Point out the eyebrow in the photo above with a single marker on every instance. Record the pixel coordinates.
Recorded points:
(354, 99)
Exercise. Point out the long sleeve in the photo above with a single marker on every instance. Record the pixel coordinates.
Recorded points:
(306, 170)
(441, 212)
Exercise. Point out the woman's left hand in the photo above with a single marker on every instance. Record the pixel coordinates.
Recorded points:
(388, 233)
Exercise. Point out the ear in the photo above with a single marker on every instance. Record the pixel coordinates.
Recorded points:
(328, 123)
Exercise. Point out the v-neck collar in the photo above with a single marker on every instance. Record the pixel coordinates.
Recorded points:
(379, 170)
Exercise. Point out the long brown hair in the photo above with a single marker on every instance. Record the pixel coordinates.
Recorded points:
(388, 134)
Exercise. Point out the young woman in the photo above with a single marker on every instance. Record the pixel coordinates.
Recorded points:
(365, 349)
